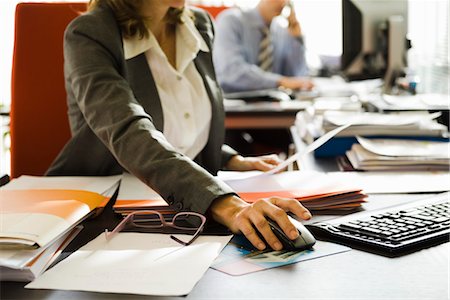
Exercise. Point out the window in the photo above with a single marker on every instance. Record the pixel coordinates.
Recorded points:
(429, 58)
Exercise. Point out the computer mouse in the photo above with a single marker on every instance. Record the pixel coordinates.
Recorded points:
(305, 240)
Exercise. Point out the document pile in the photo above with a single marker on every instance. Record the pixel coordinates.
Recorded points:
(26, 265)
(399, 155)
(417, 126)
(39, 217)
(422, 102)
(419, 101)
(315, 190)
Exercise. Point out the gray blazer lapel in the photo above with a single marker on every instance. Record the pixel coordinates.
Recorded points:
(144, 88)
(206, 70)
(211, 157)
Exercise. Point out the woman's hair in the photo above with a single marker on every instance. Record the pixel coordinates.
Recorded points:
(128, 15)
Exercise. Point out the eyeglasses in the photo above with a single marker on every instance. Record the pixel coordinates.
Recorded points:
(186, 222)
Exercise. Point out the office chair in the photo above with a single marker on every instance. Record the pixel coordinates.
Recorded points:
(213, 10)
(39, 122)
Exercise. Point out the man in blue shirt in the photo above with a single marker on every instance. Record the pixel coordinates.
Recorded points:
(237, 48)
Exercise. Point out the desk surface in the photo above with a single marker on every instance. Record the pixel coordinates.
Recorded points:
(242, 115)
(350, 275)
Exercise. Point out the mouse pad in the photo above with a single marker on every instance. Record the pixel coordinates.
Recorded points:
(239, 257)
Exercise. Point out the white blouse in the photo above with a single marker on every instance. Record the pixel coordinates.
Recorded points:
(184, 100)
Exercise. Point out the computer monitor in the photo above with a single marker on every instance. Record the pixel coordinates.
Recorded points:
(374, 39)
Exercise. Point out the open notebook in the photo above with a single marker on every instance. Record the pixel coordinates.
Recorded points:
(38, 210)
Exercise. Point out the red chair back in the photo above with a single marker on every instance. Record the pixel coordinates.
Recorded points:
(39, 122)
(213, 10)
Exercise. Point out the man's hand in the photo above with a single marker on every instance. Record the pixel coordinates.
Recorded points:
(294, 28)
(248, 219)
(296, 83)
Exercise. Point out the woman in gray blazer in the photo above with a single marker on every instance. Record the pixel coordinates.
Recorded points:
(143, 98)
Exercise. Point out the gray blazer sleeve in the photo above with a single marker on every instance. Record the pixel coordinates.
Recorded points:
(103, 105)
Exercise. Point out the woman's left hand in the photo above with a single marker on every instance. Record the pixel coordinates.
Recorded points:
(260, 163)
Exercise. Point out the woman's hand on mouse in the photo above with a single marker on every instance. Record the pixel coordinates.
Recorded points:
(245, 218)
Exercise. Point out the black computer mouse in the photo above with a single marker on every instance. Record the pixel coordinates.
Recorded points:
(305, 240)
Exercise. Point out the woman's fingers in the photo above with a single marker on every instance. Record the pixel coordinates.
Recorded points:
(261, 224)
(253, 219)
(293, 206)
(250, 233)
(279, 215)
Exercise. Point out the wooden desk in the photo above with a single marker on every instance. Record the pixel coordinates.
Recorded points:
(350, 275)
(262, 115)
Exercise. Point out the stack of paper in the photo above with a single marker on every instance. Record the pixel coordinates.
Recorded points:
(399, 155)
(315, 190)
(26, 265)
(418, 126)
(419, 101)
(38, 216)
(365, 123)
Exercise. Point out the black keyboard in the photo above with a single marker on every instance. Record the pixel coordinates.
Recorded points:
(394, 231)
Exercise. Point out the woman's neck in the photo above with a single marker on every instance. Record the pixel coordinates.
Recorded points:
(163, 31)
(156, 22)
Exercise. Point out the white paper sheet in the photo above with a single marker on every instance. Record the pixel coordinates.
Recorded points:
(420, 101)
(396, 182)
(311, 147)
(408, 148)
(339, 118)
(132, 188)
(97, 184)
(308, 181)
(134, 263)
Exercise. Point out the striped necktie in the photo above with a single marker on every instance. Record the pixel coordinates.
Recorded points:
(265, 57)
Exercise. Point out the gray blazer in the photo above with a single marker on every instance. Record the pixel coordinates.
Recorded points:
(116, 117)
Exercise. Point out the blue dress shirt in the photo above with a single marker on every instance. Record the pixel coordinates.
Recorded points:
(236, 49)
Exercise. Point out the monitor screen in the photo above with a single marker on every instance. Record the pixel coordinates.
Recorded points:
(369, 46)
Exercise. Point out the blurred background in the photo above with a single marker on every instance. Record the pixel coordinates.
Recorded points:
(321, 21)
